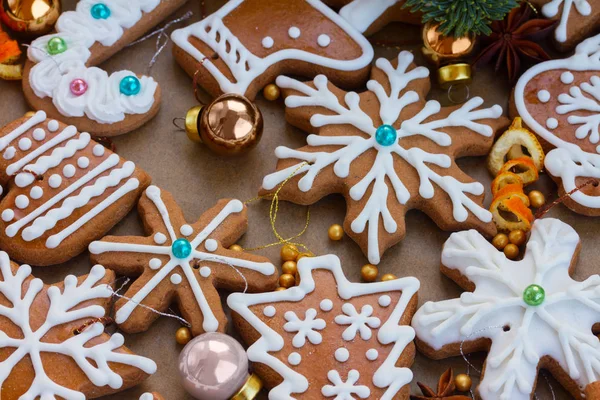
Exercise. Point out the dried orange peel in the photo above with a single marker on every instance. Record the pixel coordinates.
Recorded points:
(503, 179)
(523, 167)
(10, 53)
(510, 146)
(510, 209)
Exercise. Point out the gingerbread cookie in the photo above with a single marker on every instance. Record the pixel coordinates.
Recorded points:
(370, 16)
(387, 150)
(60, 77)
(183, 263)
(577, 19)
(52, 341)
(64, 190)
(246, 44)
(528, 314)
(328, 337)
(559, 100)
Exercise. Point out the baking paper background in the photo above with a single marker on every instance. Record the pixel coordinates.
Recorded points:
(197, 178)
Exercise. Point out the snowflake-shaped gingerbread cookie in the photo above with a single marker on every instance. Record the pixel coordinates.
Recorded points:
(387, 150)
(182, 263)
(528, 314)
(52, 344)
(335, 361)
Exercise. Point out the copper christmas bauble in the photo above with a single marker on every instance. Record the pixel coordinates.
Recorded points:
(231, 125)
(31, 18)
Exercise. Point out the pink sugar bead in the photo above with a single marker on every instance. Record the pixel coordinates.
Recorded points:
(78, 87)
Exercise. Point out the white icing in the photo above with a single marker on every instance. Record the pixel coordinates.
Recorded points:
(244, 66)
(54, 181)
(269, 311)
(37, 118)
(543, 96)
(69, 171)
(210, 322)
(53, 125)
(9, 153)
(36, 192)
(553, 7)
(147, 396)
(39, 134)
(342, 354)
(294, 32)
(372, 354)
(187, 230)
(22, 201)
(94, 356)
(83, 162)
(307, 328)
(567, 78)
(211, 245)
(268, 42)
(294, 358)
(176, 279)
(8, 215)
(205, 272)
(387, 375)
(98, 150)
(351, 147)
(323, 40)
(326, 305)
(155, 263)
(385, 300)
(345, 390)
(361, 322)
(361, 14)
(552, 123)
(25, 144)
(51, 76)
(559, 328)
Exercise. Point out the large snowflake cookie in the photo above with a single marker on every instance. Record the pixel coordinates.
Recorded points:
(65, 190)
(387, 150)
(527, 314)
(369, 16)
(182, 263)
(248, 43)
(52, 343)
(60, 76)
(576, 19)
(328, 337)
(560, 101)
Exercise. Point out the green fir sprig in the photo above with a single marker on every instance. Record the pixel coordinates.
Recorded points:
(461, 17)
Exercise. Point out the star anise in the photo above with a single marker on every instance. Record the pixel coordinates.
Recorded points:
(513, 40)
(445, 389)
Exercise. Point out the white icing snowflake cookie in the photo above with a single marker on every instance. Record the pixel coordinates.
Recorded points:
(328, 337)
(182, 263)
(527, 314)
(64, 190)
(52, 340)
(247, 43)
(387, 150)
(560, 101)
(61, 78)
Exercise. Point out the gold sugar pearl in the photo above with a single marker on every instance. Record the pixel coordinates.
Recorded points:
(289, 267)
(236, 247)
(517, 237)
(463, 382)
(388, 277)
(500, 241)
(183, 335)
(335, 232)
(271, 92)
(369, 272)
(302, 255)
(280, 288)
(536, 199)
(511, 251)
(289, 252)
(287, 280)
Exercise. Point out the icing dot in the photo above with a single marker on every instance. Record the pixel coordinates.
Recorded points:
(22, 201)
(69, 171)
(39, 134)
(567, 78)
(56, 45)
(326, 305)
(323, 40)
(54, 181)
(268, 42)
(98, 150)
(386, 135)
(24, 179)
(269, 311)
(205, 272)
(186, 230)
(211, 245)
(552, 123)
(9, 153)
(78, 87)
(25, 144)
(342, 354)
(294, 358)
(176, 279)
(100, 11)
(83, 162)
(294, 32)
(181, 248)
(160, 238)
(36, 192)
(372, 354)
(53, 125)
(543, 96)
(385, 300)
(155, 263)
(8, 215)
(130, 86)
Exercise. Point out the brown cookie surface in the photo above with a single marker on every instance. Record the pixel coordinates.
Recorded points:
(370, 16)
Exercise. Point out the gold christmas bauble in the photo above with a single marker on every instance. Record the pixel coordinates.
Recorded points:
(500, 241)
(236, 247)
(287, 280)
(517, 237)
(335, 232)
(183, 335)
(511, 251)
(271, 92)
(463, 382)
(369, 272)
(289, 252)
(388, 277)
(289, 267)
(536, 199)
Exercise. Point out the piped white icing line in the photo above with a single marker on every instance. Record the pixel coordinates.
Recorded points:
(342, 354)
(390, 332)
(210, 322)
(245, 66)
(307, 328)
(294, 32)
(561, 327)
(553, 7)
(361, 322)
(348, 389)
(96, 361)
(51, 76)
(361, 14)
(375, 211)
(568, 161)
